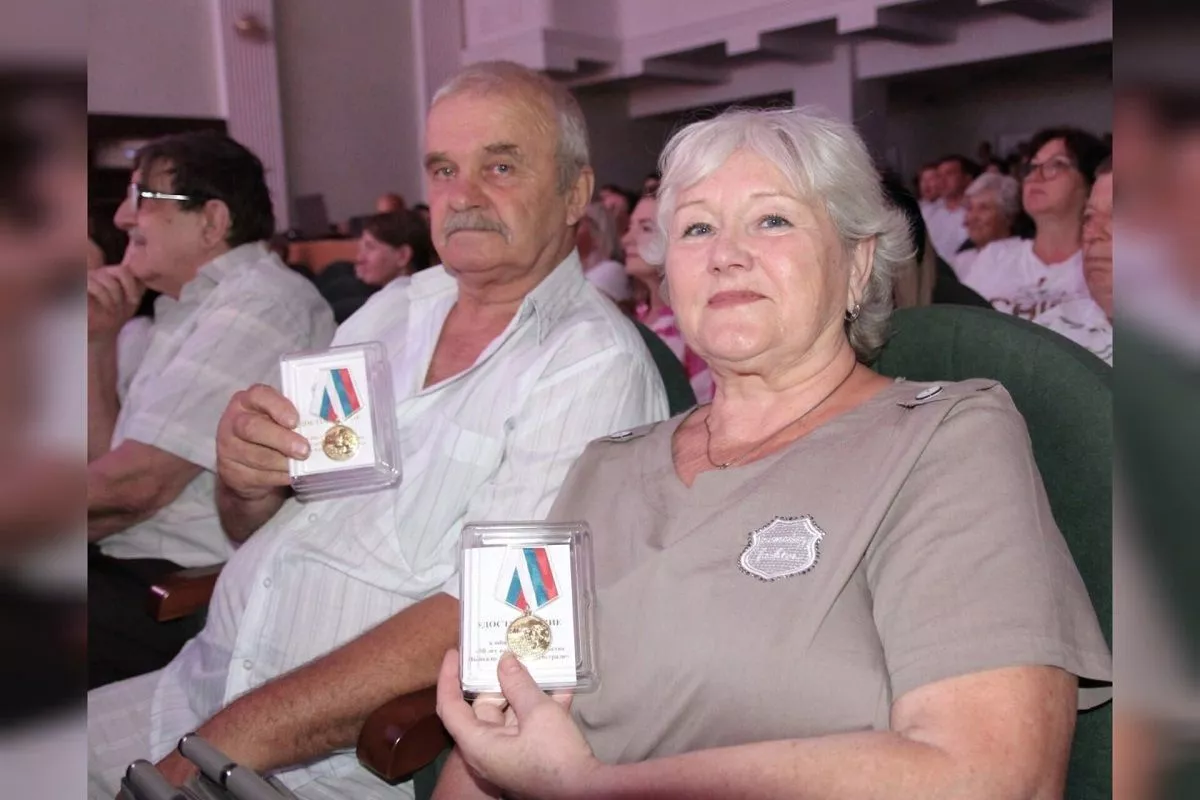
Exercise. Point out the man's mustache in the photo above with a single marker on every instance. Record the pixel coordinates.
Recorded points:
(472, 221)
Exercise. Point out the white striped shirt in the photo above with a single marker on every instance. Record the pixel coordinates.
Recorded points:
(227, 330)
(492, 443)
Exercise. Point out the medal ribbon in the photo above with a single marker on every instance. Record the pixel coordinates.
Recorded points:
(336, 399)
(526, 579)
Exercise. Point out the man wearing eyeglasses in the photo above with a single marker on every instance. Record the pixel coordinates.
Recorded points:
(197, 212)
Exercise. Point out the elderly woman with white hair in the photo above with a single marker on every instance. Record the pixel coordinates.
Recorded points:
(824, 583)
(993, 203)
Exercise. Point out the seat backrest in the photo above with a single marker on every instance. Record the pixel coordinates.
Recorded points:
(1065, 394)
(680, 396)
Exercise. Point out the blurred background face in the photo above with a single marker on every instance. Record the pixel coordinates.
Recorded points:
(931, 185)
(758, 275)
(490, 166)
(378, 263)
(1054, 187)
(389, 204)
(164, 240)
(585, 239)
(1097, 243)
(615, 203)
(952, 179)
(984, 220)
(641, 229)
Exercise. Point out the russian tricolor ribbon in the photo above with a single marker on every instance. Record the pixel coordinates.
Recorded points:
(335, 398)
(526, 579)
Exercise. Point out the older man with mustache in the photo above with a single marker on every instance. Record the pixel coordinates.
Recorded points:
(505, 363)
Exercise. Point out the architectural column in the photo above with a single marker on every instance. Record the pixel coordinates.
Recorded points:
(438, 28)
(248, 66)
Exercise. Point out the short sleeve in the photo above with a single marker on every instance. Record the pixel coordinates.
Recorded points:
(969, 571)
(233, 345)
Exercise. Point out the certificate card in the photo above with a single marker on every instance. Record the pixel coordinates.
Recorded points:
(344, 397)
(526, 588)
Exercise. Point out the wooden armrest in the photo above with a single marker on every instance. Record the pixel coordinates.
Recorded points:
(402, 736)
(183, 593)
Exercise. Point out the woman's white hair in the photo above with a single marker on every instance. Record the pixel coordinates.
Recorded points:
(1006, 189)
(571, 150)
(828, 165)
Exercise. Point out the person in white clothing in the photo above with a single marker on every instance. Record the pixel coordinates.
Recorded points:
(505, 363)
(197, 212)
(947, 224)
(929, 189)
(596, 241)
(1088, 320)
(1028, 277)
(993, 202)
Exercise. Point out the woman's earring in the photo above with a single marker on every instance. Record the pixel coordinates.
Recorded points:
(853, 313)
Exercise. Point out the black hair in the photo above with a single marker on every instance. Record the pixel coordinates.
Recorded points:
(630, 197)
(399, 228)
(207, 165)
(969, 167)
(1085, 150)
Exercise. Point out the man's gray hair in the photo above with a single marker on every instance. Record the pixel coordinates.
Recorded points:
(571, 150)
(827, 163)
(1006, 189)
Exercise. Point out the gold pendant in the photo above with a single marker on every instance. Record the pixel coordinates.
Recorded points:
(528, 637)
(341, 443)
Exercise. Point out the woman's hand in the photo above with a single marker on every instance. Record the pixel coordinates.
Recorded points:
(532, 748)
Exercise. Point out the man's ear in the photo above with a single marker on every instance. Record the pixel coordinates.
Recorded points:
(861, 261)
(217, 222)
(405, 254)
(580, 195)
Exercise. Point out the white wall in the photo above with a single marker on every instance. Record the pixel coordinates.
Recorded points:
(437, 54)
(153, 58)
(350, 101)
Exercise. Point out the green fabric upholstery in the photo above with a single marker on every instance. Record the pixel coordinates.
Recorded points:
(680, 396)
(425, 780)
(1065, 394)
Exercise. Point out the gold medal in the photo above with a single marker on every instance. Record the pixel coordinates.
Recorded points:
(528, 637)
(340, 443)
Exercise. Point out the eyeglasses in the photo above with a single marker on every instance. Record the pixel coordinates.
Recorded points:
(1049, 170)
(137, 193)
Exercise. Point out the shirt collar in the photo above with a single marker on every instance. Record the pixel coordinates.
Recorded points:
(548, 301)
(221, 267)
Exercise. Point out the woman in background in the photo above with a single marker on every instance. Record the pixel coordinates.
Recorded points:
(1027, 277)
(654, 311)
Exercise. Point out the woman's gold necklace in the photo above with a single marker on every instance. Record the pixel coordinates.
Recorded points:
(758, 445)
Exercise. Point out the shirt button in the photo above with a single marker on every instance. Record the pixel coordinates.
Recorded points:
(266, 583)
(312, 517)
(247, 664)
